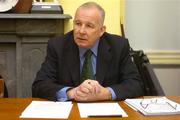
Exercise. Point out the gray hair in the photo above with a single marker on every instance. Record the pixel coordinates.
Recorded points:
(92, 5)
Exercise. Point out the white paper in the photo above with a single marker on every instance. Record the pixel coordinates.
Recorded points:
(47, 109)
(156, 106)
(93, 109)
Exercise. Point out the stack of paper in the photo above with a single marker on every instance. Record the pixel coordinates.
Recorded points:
(154, 106)
(101, 110)
(47, 109)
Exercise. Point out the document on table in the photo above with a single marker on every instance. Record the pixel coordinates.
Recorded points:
(101, 110)
(154, 106)
(47, 109)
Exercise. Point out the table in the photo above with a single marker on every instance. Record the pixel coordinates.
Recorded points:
(11, 108)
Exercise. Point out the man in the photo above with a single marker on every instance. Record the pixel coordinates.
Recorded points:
(114, 76)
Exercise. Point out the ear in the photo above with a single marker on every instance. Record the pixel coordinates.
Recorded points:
(103, 29)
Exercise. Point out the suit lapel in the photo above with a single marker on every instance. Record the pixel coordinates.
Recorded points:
(73, 62)
(103, 59)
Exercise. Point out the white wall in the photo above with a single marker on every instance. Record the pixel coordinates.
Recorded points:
(154, 25)
(169, 78)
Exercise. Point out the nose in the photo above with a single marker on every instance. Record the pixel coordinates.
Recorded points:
(82, 29)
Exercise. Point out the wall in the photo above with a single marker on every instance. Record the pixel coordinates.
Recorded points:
(111, 7)
(153, 26)
(149, 23)
(169, 78)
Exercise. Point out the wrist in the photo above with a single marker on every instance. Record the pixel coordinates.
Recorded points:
(108, 94)
(70, 93)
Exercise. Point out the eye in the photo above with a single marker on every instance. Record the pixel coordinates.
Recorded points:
(77, 23)
(90, 25)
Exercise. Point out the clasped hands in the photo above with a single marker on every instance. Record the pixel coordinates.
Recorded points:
(89, 90)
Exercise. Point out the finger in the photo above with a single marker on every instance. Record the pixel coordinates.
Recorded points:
(81, 99)
(84, 89)
(86, 85)
(77, 97)
(80, 93)
(96, 86)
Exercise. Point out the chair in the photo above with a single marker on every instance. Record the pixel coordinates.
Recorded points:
(3, 89)
(150, 82)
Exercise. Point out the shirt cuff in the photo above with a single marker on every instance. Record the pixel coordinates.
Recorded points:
(112, 93)
(62, 94)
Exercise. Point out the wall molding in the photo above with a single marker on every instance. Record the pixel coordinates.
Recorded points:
(165, 57)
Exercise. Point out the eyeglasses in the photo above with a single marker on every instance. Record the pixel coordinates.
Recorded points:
(144, 103)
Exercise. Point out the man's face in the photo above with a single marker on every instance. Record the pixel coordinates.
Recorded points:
(88, 27)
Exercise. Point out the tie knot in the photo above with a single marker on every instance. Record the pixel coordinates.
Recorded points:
(88, 54)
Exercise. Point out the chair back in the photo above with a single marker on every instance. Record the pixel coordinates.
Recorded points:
(150, 82)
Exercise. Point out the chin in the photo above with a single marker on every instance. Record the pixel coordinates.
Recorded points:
(83, 46)
(82, 43)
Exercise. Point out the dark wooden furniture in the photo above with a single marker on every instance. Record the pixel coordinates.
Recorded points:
(23, 40)
(11, 108)
(1, 88)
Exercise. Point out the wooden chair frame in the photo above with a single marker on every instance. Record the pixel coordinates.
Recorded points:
(1, 88)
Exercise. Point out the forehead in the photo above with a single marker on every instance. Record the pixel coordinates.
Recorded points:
(89, 14)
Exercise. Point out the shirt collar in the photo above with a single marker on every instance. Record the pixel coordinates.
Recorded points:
(94, 49)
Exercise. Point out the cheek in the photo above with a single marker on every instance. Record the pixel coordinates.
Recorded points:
(75, 41)
(93, 39)
(95, 35)
(74, 32)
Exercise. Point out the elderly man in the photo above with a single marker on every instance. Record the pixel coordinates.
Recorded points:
(87, 64)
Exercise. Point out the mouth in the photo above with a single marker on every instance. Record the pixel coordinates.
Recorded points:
(81, 38)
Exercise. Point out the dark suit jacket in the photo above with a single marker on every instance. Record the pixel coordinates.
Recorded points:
(62, 67)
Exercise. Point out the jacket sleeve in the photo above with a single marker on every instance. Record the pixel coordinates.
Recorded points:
(45, 85)
(130, 80)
